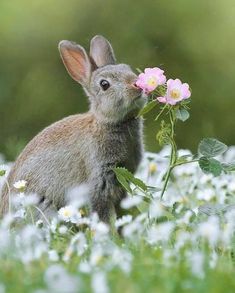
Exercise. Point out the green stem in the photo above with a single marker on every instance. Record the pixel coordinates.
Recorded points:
(160, 113)
(183, 163)
(167, 177)
(173, 156)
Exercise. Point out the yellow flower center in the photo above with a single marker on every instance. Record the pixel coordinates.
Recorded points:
(175, 94)
(67, 213)
(152, 82)
(152, 167)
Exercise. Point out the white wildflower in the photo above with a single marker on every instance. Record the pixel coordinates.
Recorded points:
(182, 239)
(131, 229)
(53, 255)
(39, 224)
(231, 186)
(20, 213)
(79, 243)
(126, 219)
(210, 230)
(5, 242)
(59, 280)
(196, 263)
(187, 169)
(99, 283)
(185, 219)
(213, 259)
(96, 255)
(78, 196)
(206, 194)
(7, 220)
(69, 214)
(122, 258)
(156, 209)
(85, 267)
(152, 167)
(168, 257)
(20, 185)
(229, 229)
(30, 200)
(206, 178)
(131, 201)
(100, 230)
(63, 229)
(160, 233)
(53, 225)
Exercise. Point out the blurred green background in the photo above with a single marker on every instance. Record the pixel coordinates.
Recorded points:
(191, 40)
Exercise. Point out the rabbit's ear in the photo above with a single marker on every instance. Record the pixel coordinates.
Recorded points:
(101, 51)
(76, 61)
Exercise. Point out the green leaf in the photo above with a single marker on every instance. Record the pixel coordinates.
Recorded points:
(139, 70)
(153, 188)
(186, 101)
(215, 209)
(122, 180)
(143, 207)
(2, 172)
(129, 177)
(211, 147)
(148, 107)
(210, 165)
(228, 167)
(182, 114)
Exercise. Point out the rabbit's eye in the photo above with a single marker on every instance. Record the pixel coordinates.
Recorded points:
(104, 84)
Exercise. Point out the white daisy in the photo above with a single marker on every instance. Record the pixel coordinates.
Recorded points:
(69, 214)
(20, 185)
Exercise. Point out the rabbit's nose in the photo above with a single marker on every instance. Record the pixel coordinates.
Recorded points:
(135, 85)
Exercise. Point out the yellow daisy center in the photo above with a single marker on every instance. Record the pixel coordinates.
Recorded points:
(152, 167)
(152, 81)
(175, 94)
(67, 213)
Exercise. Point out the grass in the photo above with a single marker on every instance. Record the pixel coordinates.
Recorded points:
(166, 247)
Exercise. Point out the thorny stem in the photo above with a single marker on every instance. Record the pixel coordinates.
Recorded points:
(173, 156)
(160, 113)
(183, 163)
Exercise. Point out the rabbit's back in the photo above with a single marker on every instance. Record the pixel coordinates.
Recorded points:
(55, 159)
(75, 150)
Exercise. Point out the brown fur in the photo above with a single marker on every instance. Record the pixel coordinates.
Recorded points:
(84, 148)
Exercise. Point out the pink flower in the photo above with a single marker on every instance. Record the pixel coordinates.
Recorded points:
(150, 79)
(176, 92)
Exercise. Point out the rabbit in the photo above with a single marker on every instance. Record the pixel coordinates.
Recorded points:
(84, 148)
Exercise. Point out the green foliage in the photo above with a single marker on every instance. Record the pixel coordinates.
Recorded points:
(210, 165)
(229, 167)
(182, 114)
(211, 147)
(125, 178)
(2, 172)
(164, 133)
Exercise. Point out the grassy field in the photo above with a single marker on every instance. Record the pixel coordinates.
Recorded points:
(166, 246)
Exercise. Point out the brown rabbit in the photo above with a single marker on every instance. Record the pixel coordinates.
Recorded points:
(84, 148)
